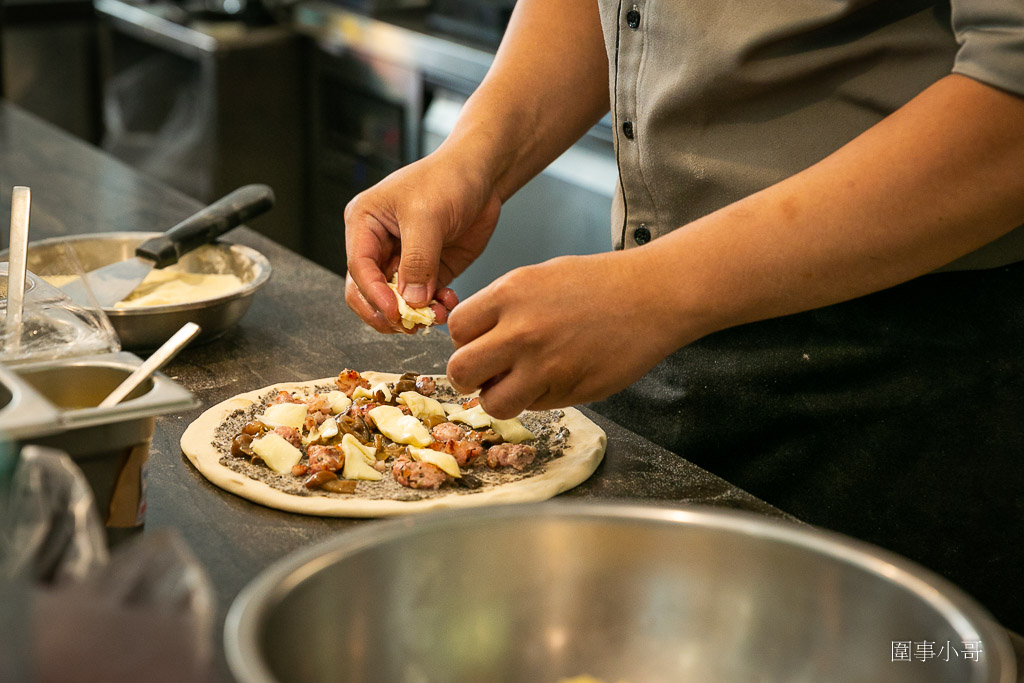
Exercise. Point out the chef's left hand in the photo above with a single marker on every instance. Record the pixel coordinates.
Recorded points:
(566, 331)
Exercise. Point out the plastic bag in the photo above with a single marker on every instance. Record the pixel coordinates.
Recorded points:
(51, 533)
(146, 616)
(74, 612)
(52, 325)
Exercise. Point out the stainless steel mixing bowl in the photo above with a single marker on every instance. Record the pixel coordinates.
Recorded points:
(142, 329)
(535, 593)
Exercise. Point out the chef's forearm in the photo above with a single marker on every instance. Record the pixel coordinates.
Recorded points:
(938, 179)
(548, 85)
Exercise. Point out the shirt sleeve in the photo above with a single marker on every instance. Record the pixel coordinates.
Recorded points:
(991, 38)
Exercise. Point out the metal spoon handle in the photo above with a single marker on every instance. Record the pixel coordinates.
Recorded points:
(168, 350)
(21, 198)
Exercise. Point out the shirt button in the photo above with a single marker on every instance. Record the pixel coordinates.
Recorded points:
(642, 235)
(633, 18)
(627, 129)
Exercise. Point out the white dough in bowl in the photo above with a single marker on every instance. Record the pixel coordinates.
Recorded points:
(169, 286)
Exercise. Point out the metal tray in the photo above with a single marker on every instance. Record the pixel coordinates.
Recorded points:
(23, 412)
(73, 387)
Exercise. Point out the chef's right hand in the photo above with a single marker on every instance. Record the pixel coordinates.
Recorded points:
(428, 220)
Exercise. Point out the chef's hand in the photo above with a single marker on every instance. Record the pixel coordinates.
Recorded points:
(566, 331)
(428, 221)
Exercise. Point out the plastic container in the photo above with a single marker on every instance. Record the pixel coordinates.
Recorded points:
(52, 325)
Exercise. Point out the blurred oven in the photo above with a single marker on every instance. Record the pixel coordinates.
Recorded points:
(48, 62)
(205, 106)
(364, 125)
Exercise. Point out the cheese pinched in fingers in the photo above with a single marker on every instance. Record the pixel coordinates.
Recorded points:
(411, 317)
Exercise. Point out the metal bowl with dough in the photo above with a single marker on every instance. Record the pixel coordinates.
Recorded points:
(642, 594)
(145, 328)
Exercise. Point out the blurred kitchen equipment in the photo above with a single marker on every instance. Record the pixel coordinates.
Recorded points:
(536, 593)
(114, 282)
(476, 20)
(48, 63)
(148, 615)
(145, 328)
(179, 94)
(142, 612)
(373, 7)
(21, 198)
(160, 357)
(386, 90)
(109, 444)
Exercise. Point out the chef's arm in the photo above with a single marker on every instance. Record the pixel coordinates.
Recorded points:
(547, 86)
(937, 179)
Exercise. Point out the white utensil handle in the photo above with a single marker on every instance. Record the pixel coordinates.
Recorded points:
(168, 350)
(21, 199)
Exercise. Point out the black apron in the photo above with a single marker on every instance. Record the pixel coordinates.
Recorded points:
(896, 418)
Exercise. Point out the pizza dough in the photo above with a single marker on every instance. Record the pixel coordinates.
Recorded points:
(579, 459)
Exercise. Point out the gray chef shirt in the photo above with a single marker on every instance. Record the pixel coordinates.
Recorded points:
(713, 100)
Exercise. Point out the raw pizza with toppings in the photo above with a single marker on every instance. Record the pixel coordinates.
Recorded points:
(374, 444)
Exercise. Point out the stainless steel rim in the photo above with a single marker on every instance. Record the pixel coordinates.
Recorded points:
(241, 631)
(260, 262)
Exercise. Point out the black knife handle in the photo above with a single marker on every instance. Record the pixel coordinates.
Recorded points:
(207, 225)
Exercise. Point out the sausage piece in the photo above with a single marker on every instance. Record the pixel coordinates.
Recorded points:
(289, 434)
(418, 475)
(347, 381)
(325, 458)
(516, 455)
(446, 431)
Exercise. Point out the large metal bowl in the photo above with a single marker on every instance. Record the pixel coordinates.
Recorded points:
(143, 329)
(535, 593)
